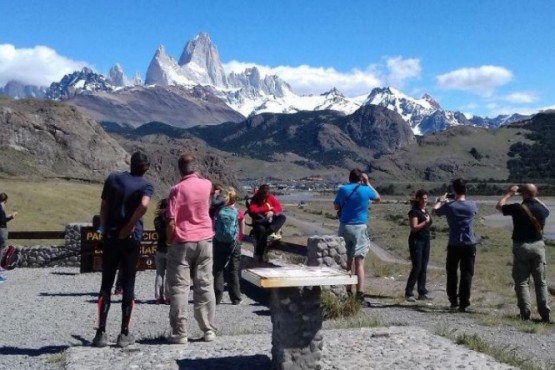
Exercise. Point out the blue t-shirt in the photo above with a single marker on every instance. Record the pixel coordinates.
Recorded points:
(460, 215)
(354, 211)
(123, 193)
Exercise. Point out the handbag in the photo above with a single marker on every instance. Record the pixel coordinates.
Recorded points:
(346, 200)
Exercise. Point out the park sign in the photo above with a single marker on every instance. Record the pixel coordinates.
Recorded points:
(92, 249)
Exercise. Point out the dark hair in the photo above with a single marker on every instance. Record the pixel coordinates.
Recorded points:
(355, 175)
(3, 197)
(261, 193)
(139, 164)
(418, 195)
(185, 163)
(162, 205)
(459, 186)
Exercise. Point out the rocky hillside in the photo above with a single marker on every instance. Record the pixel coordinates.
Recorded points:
(163, 152)
(39, 137)
(50, 139)
(175, 105)
(327, 138)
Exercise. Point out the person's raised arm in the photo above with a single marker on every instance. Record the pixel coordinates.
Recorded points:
(508, 194)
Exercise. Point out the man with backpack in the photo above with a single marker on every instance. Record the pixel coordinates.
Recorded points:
(352, 202)
(229, 224)
(125, 199)
(528, 247)
(4, 219)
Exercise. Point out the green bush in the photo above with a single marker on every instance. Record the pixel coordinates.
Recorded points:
(334, 308)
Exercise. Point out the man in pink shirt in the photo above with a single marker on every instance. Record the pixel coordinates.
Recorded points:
(189, 232)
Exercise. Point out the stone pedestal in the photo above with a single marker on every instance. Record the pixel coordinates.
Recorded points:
(329, 251)
(296, 320)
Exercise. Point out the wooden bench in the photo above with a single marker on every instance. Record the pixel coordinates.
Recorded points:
(296, 310)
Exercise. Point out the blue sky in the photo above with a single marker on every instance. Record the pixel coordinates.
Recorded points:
(481, 57)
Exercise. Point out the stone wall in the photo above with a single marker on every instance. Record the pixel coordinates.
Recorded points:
(67, 255)
(329, 251)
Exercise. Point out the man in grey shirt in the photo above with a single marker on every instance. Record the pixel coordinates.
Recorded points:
(461, 248)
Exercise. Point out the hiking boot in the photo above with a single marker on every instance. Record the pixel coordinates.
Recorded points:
(125, 340)
(100, 339)
(453, 307)
(425, 297)
(237, 302)
(410, 298)
(525, 315)
(209, 335)
(175, 339)
(546, 319)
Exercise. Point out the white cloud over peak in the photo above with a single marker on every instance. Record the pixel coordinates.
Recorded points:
(305, 79)
(520, 97)
(39, 65)
(479, 80)
(401, 70)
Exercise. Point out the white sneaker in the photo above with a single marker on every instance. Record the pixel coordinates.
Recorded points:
(174, 339)
(273, 237)
(209, 335)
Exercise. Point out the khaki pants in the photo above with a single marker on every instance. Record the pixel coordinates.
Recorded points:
(186, 261)
(529, 259)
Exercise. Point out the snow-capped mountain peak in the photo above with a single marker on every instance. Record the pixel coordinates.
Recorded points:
(200, 62)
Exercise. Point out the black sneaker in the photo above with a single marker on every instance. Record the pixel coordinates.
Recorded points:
(100, 339)
(125, 340)
(360, 297)
(462, 308)
(425, 297)
(546, 319)
(410, 298)
(453, 307)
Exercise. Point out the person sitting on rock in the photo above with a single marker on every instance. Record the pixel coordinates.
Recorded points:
(265, 211)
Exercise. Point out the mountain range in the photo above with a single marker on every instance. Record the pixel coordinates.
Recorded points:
(195, 90)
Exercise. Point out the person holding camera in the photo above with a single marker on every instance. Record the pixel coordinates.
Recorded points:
(528, 247)
(419, 246)
(461, 248)
(351, 202)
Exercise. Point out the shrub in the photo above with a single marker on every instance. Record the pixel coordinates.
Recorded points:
(333, 307)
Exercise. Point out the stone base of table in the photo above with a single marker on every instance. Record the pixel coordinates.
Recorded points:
(297, 320)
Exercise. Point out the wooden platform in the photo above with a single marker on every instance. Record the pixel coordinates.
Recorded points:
(298, 276)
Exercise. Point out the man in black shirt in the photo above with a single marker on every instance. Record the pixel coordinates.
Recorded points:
(528, 247)
(125, 199)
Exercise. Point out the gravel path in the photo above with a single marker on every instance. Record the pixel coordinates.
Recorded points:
(52, 315)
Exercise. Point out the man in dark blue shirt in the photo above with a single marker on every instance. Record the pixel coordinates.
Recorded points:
(528, 247)
(125, 198)
(461, 248)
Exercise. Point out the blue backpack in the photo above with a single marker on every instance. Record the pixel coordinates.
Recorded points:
(226, 226)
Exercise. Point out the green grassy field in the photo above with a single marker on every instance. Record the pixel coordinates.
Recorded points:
(492, 288)
(48, 205)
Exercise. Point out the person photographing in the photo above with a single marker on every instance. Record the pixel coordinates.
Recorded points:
(528, 247)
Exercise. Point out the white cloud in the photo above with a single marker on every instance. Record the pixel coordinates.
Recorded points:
(520, 97)
(401, 70)
(305, 79)
(481, 80)
(40, 65)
